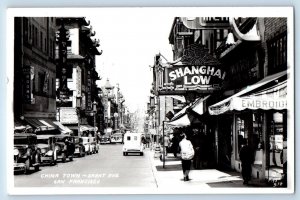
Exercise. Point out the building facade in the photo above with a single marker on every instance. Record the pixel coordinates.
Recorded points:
(257, 59)
(252, 106)
(35, 72)
(78, 103)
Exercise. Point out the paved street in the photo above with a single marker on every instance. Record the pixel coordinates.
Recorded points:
(108, 168)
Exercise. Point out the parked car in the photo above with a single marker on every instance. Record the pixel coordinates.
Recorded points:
(105, 139)
(94, 145)
(65, 147)
(87, 145)
(46, 143)
(133, 144)
(79, 147)
(26, 152)
(117, 138)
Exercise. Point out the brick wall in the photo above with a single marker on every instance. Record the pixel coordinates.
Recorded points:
(274, 27)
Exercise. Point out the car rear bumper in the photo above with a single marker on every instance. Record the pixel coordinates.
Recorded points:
(133, 151)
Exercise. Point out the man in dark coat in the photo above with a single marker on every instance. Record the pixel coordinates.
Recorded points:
(246, 157)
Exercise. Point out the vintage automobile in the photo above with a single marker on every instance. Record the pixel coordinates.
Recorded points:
(105, 139)
(26, 152)
(65, 147)
(117, 138)
(79, 147)
(87, 145)
(133, 144)
(94, 145)
(46, 143)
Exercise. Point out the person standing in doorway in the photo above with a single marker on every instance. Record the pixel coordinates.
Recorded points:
(246, 158)
(187, 154)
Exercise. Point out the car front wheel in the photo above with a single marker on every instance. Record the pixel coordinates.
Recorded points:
(63, 157)
(37, 168)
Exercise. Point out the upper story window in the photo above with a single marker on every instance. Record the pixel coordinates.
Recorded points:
(25, 29)
(277, 53)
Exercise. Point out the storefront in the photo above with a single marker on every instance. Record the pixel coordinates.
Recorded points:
(194, 121)
(259, 115)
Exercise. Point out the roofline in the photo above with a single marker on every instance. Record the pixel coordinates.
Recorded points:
(171, 31)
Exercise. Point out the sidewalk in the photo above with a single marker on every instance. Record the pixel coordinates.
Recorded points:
(171, 175)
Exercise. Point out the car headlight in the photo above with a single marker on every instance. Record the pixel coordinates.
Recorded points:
(16, 152)
(43, 150)
(49, 153)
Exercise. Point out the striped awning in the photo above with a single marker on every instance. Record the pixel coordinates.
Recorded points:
(41, 124)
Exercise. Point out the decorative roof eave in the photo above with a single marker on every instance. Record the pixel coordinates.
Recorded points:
(69, 20)
(96, 51)
(196, 54)
(88, 31)
(75, 57)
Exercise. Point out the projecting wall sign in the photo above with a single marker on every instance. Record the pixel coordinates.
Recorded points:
(193, 78)
(197, 71)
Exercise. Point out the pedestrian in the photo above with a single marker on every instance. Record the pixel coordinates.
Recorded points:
(166, 144)
(187, 153)
(246, 158)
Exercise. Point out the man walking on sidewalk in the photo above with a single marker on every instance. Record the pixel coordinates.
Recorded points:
(246, 157)
(187, 154)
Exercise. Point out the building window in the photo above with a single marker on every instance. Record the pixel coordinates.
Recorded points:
(45, 48)
(51, 52)
(257, 137)
(277, 129)
(41, 41)
(41, 80)
(25, 29)
(36, 37)
(53, 49)
(53, 87)
(241, 135)
(277, 53)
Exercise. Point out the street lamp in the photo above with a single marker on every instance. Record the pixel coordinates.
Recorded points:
(116, 120)
(108, 87)
(94, 112)
(78, 106)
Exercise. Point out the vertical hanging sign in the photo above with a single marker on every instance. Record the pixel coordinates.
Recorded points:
(63, 90)
(26, 85)
(28, 76)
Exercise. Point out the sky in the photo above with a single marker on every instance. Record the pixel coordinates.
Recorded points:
(129, 41)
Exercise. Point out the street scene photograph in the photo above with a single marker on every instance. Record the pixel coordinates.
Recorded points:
(150, 101)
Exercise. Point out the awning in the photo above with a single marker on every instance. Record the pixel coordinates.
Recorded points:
(181, 122)
(260, 95)
(41, 124)
(86, 127)
(37, 125)
(49, 123)
(182, 118)
(63, 129)
(21, 126)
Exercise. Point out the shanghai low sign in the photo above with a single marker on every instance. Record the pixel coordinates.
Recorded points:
(192, 78)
